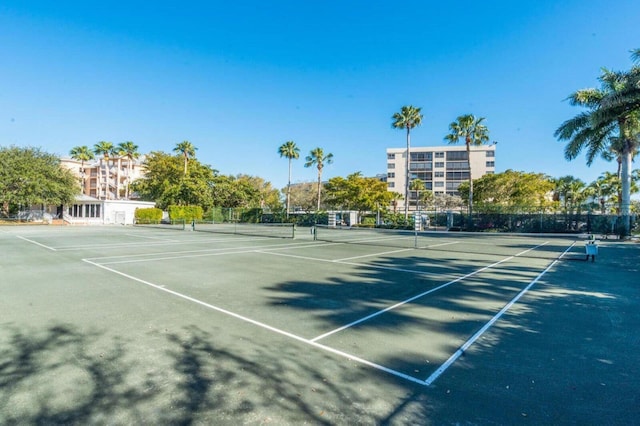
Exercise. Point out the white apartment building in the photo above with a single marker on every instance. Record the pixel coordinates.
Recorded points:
(441, 168)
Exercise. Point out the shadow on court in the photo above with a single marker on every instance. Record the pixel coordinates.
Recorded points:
(55, 377)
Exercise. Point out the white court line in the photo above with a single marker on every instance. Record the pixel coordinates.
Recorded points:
(263, 325)
(457, 354)
(36, 243)
(373, 254)
(200, 253)
(411, 299)
(367, 265)
(136, 244)
(153, 238)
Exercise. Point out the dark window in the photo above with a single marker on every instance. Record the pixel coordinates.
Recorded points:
(457, 155)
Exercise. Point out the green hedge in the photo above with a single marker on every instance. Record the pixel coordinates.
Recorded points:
(186, 213)
(150, 215)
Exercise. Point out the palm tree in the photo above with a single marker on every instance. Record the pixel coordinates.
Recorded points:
(82, 154)
(610, 112)
(316, 157)
(417, 185)
(103, 148)
(187, 150)
(129, 150)
(291, 152)
(394, 201)
(408, 118)
(475, 133)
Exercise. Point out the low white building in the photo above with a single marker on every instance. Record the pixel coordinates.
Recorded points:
(87, 210)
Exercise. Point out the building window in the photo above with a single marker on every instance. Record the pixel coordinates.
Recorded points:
(452, 185)
(421, 156)
(491, 154)
(439, 154)
(457, 175)
(391, 156)
(438, 184)
(391, 185)
(420, 175)
(440, 164)
(391, 165)
(457, 165)
(89, 210)
(457, 155)
(391, 175)
(421, 166)
(438, 174)
(491, 164)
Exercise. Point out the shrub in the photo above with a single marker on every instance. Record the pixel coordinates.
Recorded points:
(186, 213)
(146, 216)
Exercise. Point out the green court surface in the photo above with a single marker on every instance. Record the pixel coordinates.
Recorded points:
(135, 325)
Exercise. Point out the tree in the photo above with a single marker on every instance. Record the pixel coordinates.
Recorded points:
(103, 148)
(474, 133)
(569, 190)
(613, 110)
(82, 154)
(316, 157)
(303, 197)
(291, 152)
(187, 151)
(417, 185)
(164, 182)
(29, 176)
(510, 190)
(408, 118)
(129, 150)
(357, 192)
(396, 196)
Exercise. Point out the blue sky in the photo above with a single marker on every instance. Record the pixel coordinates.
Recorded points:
(238, 79)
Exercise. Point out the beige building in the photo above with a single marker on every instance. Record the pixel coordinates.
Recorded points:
(441, 168)
(106, 180)
(106, 197)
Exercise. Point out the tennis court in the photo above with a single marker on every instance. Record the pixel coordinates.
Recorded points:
(248, 325)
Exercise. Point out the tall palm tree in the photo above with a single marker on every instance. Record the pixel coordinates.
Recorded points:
(103, 148)
(291, 152)
(316, 157)
(607, 116)
(474, 133)
(187, 150)
(129, 150)
(82, 154)
(408, 118)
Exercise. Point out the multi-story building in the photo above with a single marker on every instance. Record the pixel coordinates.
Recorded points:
(441, 168)
(106, 179)
(106, 196)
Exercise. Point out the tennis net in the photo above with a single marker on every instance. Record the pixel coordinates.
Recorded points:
(549, 246)
(277, 230)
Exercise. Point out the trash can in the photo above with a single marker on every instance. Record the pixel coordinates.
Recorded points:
(591, 248)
